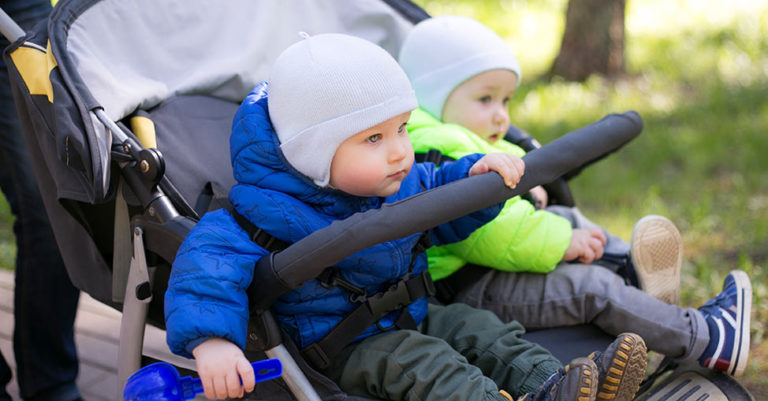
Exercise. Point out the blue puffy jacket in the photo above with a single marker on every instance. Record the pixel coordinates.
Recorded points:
(206, 294)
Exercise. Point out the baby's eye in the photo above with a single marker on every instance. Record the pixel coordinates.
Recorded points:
(506, 100)
(401, 129)
(485, 99)
(374, 138)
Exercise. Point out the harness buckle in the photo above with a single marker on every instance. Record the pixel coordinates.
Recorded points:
(395, 297)
(329, 278)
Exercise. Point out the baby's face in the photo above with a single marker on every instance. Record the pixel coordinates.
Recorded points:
(480, 104)
(374, 162)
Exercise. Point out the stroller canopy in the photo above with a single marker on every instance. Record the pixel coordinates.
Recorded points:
(115, 58)
(126, 55)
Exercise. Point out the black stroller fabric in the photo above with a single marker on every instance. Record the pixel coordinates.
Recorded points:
(93, 57)
(122, 57)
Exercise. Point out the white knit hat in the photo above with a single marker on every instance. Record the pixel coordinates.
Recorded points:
(442, 52)
(326, 88)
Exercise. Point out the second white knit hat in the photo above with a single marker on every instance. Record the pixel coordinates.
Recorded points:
(442, 52)
(326, 88)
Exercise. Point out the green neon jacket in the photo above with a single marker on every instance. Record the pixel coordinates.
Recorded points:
(520, 238)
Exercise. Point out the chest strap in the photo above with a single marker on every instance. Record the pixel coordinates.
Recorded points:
(370, 309)
(368, 313)
(433, 156)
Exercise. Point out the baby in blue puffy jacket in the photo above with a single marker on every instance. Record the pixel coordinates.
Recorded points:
(324, 140)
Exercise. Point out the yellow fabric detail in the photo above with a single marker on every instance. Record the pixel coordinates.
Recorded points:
(144, 129)
(505, 395)
(53, 3)
(35, 68)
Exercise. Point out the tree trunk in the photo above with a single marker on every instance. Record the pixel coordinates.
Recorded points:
(593, 41)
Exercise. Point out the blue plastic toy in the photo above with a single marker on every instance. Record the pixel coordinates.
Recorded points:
(161, 381)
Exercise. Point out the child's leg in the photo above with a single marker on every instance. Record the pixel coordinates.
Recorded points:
(579, 294)
(517, 365)
(409, 365)
(652, 260)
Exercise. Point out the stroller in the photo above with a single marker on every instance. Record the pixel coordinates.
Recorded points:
(126, 108)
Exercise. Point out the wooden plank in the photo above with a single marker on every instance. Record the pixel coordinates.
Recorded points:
(96, 384)
(92, 305)
(97, 325)
(6, 324)
(6, 347)
(6, 278)
(6, 297)
(96, 351)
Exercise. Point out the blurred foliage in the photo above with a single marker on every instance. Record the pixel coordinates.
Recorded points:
(697, 72)
(7, 239)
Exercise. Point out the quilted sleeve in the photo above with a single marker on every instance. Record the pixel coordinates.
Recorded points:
(206, 294)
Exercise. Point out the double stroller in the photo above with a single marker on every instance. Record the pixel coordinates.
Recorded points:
(126, 108)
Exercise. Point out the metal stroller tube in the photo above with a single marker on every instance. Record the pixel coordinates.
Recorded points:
(9, 28)
(305, 259)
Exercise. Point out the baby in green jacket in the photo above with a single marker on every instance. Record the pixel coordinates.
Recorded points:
(464, 75)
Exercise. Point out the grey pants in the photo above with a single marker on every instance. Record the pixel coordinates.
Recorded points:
(458, 353)
(575, 294)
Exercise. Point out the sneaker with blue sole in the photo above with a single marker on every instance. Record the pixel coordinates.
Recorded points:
(728, 318)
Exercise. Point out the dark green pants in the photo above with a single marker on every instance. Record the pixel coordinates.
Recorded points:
(458, 353)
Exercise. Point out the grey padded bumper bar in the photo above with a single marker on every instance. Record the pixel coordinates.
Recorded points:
(306, 259)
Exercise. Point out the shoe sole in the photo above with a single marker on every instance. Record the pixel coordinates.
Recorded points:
(587, 380)
(656, 249)
(576, 388)
(626, 371)
(743, 317)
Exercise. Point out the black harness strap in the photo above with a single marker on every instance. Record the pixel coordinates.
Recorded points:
(370, 309)
(399, 296)
(433, 156)
(256, 234)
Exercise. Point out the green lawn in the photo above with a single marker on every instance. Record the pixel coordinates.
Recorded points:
(7, 239)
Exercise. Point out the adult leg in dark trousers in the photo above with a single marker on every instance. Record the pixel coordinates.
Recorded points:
(45, 301)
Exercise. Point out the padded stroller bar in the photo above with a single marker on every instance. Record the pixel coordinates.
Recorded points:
(307, 258)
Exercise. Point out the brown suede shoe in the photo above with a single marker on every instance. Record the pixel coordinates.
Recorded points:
(621, 368)
(575, 382)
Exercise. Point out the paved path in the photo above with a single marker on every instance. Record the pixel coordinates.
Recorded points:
(97, 330)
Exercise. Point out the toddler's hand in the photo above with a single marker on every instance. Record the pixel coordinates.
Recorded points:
(221, 365)
(586, 245)
(511, 168)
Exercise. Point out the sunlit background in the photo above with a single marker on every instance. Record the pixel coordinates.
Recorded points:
(698, 75)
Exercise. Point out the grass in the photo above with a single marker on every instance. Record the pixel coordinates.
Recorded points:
(698, 75)
(7, 239)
